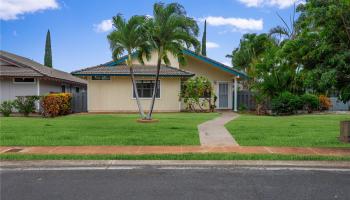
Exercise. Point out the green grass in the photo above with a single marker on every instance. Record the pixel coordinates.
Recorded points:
(196, 156)
(298, 130)
(99, 129)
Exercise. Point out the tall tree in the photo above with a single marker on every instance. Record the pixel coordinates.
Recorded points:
(325, 42)
(170, 31)
(204, 40)
(128, 36)
(48, 52)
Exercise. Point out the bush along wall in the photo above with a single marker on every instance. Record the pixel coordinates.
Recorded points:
(6, 108)
(56, 104)
(287, 103)
(25, 104)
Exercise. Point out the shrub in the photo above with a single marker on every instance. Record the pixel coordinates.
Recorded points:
(6, 108)
(198, 93)
(310, 102)
(25, 104)
(56, 104)
(242, 108)
(285, 104)
(325, 102)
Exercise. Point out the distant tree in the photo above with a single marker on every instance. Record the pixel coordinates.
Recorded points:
(48, 52)
(204, 40)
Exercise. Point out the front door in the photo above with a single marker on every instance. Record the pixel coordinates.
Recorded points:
(223, 95)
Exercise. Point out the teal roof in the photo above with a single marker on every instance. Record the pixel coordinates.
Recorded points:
(214, 63)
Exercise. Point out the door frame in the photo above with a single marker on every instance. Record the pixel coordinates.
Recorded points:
(229, 94)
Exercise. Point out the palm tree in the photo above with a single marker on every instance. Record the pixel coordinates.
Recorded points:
(170, 31)
(287, 31)
(128, 37)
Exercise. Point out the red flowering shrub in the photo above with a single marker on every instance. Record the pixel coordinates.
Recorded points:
(56, 104)
(325, 102)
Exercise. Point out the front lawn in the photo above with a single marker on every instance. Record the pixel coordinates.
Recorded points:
(298, 130)
(99, 129)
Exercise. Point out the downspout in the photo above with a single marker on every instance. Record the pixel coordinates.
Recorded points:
(38, 93)
(235, 94)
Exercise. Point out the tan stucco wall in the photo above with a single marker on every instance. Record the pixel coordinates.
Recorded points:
(154, 57)
(115, 95)
(201, 68)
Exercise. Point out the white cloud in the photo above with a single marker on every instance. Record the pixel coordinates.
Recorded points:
(251, 3)
(281, 4)
(226, 63)
(240, 24)
(212, 45)
(104, 26)
(11, 9)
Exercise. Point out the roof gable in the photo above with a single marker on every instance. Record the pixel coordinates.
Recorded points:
(38, 68)
(215, 63)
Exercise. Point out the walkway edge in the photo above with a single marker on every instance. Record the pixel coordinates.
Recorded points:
(110, 163)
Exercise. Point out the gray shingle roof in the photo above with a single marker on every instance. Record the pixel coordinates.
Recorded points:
(139, 70)
(26, 67)
(12, 70)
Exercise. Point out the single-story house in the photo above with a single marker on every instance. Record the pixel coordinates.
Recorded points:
(20, 76)
(110, 88)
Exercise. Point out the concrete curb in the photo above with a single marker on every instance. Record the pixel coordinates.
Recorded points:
(110, 163)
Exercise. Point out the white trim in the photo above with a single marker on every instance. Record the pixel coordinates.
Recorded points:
(23, 83)
(147, 98)
(37, 92)
(38, 87)
(235, 94)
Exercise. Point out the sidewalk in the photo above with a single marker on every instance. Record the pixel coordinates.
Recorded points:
(139, 150)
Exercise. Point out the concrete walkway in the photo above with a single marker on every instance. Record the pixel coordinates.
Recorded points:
(139, 150)
(213, 133)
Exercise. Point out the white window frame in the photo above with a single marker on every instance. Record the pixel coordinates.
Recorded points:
(160, 89)
(24, 83)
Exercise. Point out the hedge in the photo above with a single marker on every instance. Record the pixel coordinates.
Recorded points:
(56, 104)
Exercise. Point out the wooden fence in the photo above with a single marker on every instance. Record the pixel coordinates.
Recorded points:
(245, 100)
(79, 102)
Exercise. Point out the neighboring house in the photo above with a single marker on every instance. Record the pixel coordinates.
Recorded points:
(110, 88)
(20, 76)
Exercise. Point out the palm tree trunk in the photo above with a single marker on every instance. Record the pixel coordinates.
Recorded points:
(143, 116)
(160, 52)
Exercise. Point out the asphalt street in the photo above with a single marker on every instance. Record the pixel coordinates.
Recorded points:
(174, 182)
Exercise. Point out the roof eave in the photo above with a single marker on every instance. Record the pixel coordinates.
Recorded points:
(150, 75)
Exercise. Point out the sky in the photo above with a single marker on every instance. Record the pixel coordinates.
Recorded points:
(79, 27)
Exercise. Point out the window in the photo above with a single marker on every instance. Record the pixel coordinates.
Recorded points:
(101, 78)
(63, 88)
(77, 90)
(24, 80)
(145, 89)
